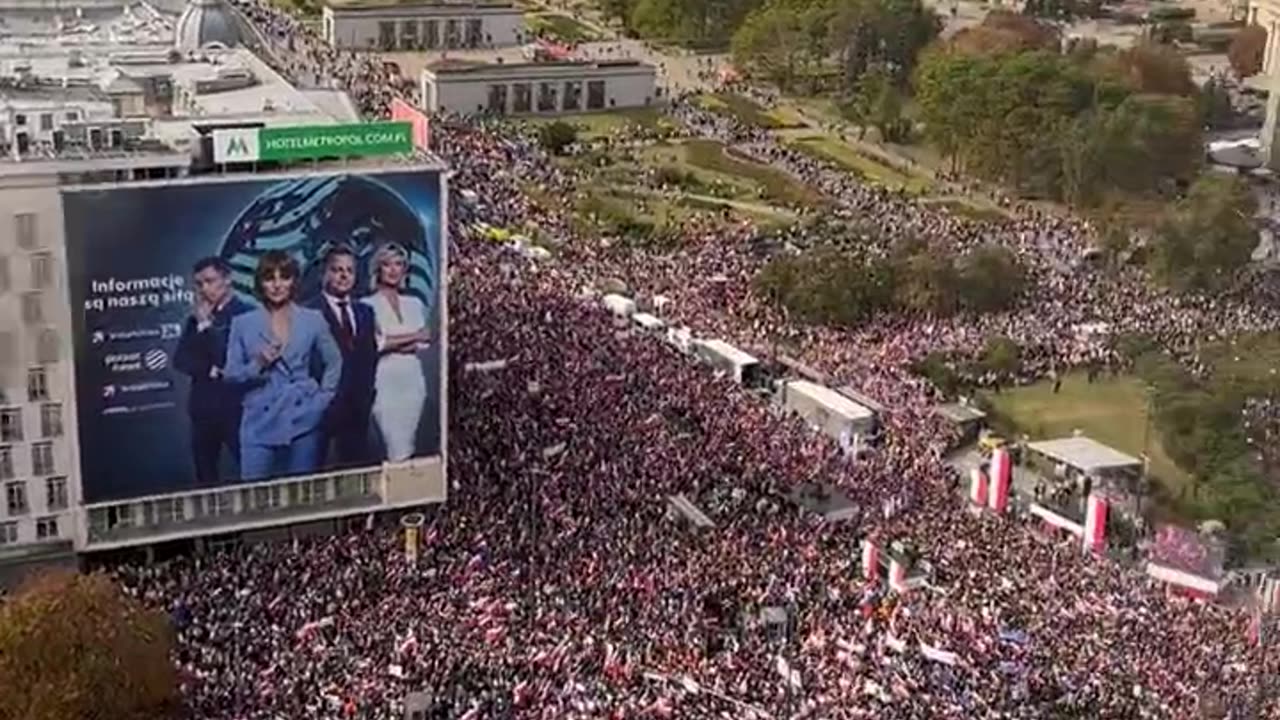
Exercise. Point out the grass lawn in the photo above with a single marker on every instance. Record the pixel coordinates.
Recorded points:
(834, 151)
(560, 27)
(602, 124)
(774, 185)
(1111, 410)
(969, 209)
(749, 112)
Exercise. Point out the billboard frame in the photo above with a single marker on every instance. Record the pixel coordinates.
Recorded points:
(247, 519)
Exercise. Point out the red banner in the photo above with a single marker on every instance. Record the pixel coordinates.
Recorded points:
(403, 111)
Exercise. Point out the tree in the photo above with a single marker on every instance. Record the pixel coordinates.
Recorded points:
(1005, 33)
(1149, 138)
(885, 33)
(1247, 50)
(556, 136)
(1209, 235)
(925, 279)
(1148, 68)
(774, 44)
(74, 647)
(1001, 356)
(880, 105)
(990, 278)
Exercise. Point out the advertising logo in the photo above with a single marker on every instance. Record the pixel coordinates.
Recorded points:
(156, 359)
(238, 145)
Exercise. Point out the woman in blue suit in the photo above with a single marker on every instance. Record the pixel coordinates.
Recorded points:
(271, 351)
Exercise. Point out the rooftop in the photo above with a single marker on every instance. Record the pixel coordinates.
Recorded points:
(416, 5)
(1084, 454)
(463, 67)
(830, 398)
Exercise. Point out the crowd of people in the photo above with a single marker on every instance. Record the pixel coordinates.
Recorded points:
(555, 583)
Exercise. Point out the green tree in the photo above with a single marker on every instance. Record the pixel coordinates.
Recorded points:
(880, 105)
(74, 647)
(951, 91)
(556, 136)
(1149, 138)
(990, 279)
(1001, 356)
(925, 279)
(1208, 236)
(885, 33)
(774, 44)
(1147, 68)
(1005, 33)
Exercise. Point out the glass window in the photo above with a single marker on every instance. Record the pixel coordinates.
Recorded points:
(46, 121)
(432, 32)
(41, 271)
(6, 462)
(46, 528)
(573, 95)
(32, 308)
(15, 497)
(42, 458)
(37, 384)
(8, 533)
(523, 100)
(25, 230)
(55, 492)
(20, 120)
(595, 94)
(546, 97)
(51, 420)
(47, 345)
(11, 425)
(72, 116)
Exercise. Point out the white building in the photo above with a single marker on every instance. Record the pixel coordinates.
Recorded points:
(389, 25)
(537, 88)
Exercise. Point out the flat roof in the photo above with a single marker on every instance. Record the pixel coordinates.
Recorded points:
(1084, 453)
(830, 399)
(723, 348)
(959, 413)
(418, 5)
(447, 68)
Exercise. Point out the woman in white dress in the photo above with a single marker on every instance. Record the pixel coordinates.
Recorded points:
(401, 320)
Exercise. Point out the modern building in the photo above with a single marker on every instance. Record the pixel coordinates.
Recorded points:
(388, 25)
(537, 88)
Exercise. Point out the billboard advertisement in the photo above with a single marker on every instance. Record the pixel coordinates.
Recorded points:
(245, 329)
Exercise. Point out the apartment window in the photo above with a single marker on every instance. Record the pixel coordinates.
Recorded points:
(20, 120)
(11, 425)
(431, 29)
(72, 117)
(55, 493)
(6, 462)
(42, 271)
(46, 121)
(37, 384)
(15, 497)
(8, 533)
(4, 274)
(42, 458)
(24, 225)
(46, 528)
(32, 308)
(47, 346)
(51, 420)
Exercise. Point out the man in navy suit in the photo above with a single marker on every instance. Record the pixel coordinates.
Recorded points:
(214, 404)
(347, 422)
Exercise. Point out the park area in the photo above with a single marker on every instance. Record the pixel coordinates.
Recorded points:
(1114, 410)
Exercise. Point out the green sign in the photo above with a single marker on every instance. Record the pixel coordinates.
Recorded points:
(306, 142)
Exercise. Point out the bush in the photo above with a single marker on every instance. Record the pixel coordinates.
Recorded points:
(556, 136)
(1169, 13)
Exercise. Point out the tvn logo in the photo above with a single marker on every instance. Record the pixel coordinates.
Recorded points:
(239, 145)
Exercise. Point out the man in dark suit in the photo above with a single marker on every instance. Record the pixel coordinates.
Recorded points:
(352, 324)
(214, 404)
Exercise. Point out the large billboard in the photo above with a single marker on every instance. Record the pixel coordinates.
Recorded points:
(244, 329)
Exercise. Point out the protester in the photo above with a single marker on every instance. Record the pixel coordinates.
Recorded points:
(554, 583)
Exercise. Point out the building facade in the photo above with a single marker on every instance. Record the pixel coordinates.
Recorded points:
(422, 26)
(538, 88)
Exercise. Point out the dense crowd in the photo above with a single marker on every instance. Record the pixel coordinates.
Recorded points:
(555, 583)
